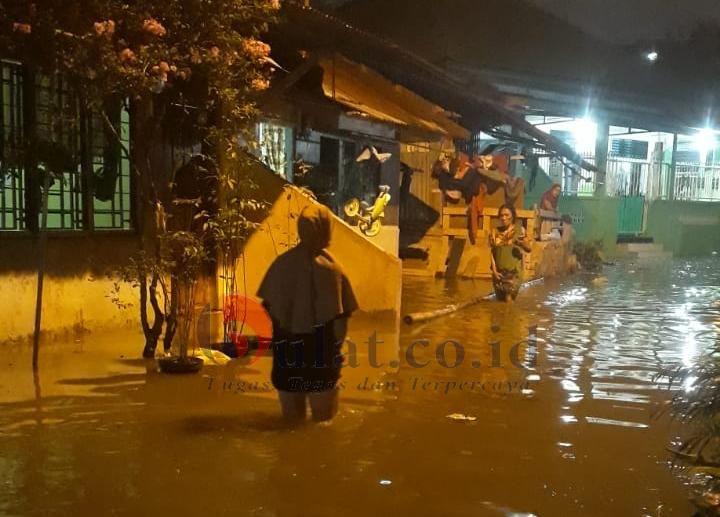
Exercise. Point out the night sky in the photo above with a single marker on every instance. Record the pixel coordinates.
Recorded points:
(625, 21)
(631, 20)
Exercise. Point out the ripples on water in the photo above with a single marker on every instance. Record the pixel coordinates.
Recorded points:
(602, 346)
(574, 435)
(603, 340)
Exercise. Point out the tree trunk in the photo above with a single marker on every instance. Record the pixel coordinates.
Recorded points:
(152, 334)
(172, 317)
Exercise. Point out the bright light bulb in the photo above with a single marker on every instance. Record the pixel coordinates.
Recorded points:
(585, 131)
(652, 56)
(705, 141)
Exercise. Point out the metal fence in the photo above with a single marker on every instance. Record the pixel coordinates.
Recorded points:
(628, 177)
(654, 180)
(695, 182)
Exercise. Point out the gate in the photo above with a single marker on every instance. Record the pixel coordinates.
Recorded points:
(630, 214)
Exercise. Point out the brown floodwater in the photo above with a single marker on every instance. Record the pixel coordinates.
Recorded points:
(553, 405)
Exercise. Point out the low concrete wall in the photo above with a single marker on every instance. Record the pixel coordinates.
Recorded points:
(76, 288)
(685, 228)
(594, 218)
(674, 224)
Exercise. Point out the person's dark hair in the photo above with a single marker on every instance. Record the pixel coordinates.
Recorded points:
(512, 211)
(438, 169)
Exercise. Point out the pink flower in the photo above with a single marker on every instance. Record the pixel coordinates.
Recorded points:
(127, 56)
(256, 49)
(160, 71)
(154, 27)
(106, 28)
(260, 84)
(214, 52)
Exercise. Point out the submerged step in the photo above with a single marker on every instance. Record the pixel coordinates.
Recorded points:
(638, 247)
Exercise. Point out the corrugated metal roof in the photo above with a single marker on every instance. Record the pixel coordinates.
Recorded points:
(358, 87)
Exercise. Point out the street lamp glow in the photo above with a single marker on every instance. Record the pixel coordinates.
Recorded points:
(704, 141)
(652, 56)
(585, 132)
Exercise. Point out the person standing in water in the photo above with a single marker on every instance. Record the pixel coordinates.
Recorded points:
(309, 300)
(507, 243)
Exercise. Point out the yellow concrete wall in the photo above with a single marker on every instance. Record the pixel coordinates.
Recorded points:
(388, 239)
(74, 304)
(77, 289)
(375, 274)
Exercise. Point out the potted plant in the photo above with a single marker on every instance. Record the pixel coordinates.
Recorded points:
(238, 216)
(184, 255)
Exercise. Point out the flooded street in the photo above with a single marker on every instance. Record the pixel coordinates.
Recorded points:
(553, 402)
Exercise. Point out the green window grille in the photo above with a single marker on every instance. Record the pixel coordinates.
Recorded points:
(95, 188)
(57, 122)
(12, 173)
(111, 173)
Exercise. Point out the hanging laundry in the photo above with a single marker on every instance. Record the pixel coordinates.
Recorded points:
(381, 157)
(364, 156)
(369, 152)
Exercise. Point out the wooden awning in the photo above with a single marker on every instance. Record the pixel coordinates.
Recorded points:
(366, 91)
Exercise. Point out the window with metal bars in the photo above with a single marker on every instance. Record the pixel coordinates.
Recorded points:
(12, 173)
(57, 120)
(110, 173)
(94, 190)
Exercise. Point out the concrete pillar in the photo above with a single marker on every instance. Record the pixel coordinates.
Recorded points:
(673, 166)
(601, 154)
(514, 163)
(655, 170)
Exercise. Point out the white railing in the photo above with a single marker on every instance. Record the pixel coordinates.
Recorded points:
(626, 177)
(695, 182)
(629, 177)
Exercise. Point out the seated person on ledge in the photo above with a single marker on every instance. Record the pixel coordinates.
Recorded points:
(550, 198)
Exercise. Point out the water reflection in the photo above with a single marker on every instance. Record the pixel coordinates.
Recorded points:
(559, 414)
